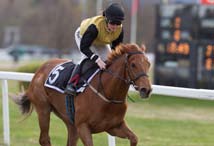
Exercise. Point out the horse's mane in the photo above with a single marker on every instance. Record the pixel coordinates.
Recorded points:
(122, 49)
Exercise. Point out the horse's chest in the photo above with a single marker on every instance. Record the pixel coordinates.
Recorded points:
(105, 120)
(104, 124)
(114, 112)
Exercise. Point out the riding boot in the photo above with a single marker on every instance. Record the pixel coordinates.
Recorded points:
(71, 86)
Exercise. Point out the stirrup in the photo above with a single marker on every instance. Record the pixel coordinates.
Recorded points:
(70, 90)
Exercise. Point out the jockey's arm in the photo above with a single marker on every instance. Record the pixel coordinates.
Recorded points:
(117, 41)
(87, 39)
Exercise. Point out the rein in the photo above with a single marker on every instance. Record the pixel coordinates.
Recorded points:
(104, 98)
(128, 81)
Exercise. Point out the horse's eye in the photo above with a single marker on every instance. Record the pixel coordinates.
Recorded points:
(133, 65)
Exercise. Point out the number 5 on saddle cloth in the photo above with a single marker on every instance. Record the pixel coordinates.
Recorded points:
(60, 75)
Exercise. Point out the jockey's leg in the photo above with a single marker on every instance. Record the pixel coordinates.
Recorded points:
(123, 131)
(71, 86)
(85, 135)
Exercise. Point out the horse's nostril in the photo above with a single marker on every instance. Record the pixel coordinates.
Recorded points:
(147, 92)
(143, 90)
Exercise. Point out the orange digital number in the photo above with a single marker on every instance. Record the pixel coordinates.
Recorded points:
(209, 51)
(182, 48)
(208, 64)
(186, 49)
(177, 35)
(171, 47)
(177, 22)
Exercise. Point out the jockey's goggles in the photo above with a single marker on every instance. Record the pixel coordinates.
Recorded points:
(115, 22)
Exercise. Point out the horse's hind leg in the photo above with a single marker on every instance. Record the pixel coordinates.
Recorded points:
(43, 112)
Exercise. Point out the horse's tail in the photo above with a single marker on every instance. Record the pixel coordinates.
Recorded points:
(24, 103)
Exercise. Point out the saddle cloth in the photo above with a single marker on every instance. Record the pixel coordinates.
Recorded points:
(59, 76)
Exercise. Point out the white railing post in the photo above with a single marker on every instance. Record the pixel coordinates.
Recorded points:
(111, 140)
(5, 109)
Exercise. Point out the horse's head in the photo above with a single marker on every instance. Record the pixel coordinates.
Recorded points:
(137, 67)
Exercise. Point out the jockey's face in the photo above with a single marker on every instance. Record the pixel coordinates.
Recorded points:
(112, 27)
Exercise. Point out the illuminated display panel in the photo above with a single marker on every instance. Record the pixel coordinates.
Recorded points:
(207, 55)
(176, 24)
(175, 33)
(205, 65)
(185, 46)
(206, 47)
(174, 62)
(175, 50)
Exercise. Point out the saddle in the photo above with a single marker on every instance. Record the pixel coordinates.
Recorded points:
(59, 76)
(87, 70)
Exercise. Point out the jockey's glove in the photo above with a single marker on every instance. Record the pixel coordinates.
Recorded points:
(101, 63)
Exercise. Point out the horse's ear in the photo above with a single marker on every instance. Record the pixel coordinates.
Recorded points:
(143, 48)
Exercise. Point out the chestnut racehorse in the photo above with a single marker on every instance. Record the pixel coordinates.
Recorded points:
(95, 110)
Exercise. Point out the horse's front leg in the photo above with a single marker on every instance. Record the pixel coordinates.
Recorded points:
(85, 134)
(72, 135)
(123, 131)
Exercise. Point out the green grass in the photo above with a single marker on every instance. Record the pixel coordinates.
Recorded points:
(159, 121)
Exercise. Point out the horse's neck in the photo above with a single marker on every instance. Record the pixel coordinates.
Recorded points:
(117, 87)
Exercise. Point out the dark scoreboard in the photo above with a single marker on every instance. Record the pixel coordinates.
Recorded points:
(184, 47)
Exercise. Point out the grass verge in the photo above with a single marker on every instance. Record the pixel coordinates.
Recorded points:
(159, 121)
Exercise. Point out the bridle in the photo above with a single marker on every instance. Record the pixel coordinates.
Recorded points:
(129, 81)
(129, 71)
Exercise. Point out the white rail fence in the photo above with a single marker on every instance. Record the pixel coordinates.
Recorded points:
(161, 90)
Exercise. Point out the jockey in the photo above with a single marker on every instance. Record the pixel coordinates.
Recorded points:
(95, 38)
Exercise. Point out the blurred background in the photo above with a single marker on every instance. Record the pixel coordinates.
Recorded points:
(178, 34)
